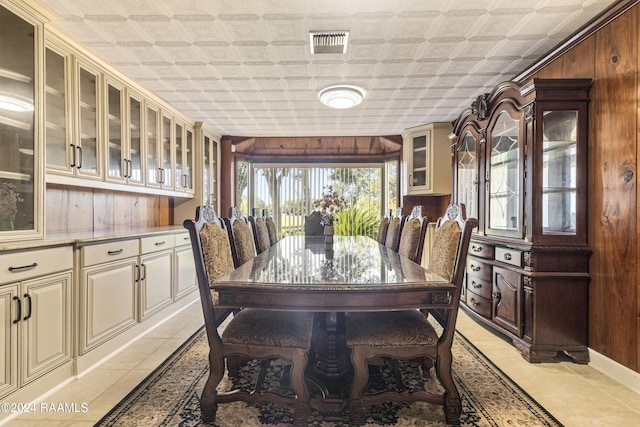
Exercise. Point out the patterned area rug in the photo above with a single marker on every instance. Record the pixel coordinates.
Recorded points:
(169, 396)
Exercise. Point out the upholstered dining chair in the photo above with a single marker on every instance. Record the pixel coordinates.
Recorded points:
(412, 235)
(384, 227)
(250, 334)
(271, 227)
(393, 232)
(260, 231)
(409, 334)
(243, 247)
(312, 224)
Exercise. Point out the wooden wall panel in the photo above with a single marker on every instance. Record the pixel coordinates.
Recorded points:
(71, 209)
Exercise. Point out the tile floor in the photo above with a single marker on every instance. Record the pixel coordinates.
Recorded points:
(577, 395)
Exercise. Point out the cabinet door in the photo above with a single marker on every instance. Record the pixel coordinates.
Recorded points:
(46, 325)
(166, 144)
(57, 139)
(507, 304)
(108, 301)
(185, 280)
(418, 177)
(209, 171)
(134, 138)
(467, 170)
(155, 282)
(86, 158)
(504, 173)
(117, 162)
(179, 156)
(18, 178)
(8, 339)
(189, 156)
(152, 145)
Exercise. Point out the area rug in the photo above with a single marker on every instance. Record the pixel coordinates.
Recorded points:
(169, 396)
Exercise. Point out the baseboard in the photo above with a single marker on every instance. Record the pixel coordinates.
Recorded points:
(615, 371)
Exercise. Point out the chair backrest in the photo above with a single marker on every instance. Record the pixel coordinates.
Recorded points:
(412, 235)
(271, 227)
(384, 226)
(213, 259)
(393, 232)
(449, 257)
(312, 224)
(260, 231)
(241, 238)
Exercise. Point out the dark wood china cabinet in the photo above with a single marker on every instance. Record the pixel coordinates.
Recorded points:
(520, 167)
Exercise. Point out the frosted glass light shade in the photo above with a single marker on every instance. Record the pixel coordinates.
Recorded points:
(341, 96)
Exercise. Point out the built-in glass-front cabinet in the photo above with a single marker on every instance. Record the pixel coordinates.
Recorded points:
(520, 167)
(427, 159)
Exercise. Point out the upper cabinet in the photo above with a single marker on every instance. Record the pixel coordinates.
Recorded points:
(520, 161)
(427, 157)
(20, 178)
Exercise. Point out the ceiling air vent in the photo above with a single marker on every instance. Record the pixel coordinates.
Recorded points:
(329, 41)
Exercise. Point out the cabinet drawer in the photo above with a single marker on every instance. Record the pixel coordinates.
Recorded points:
(19, 266)
(478, 269)
(112, 251)
(478, 304)
(479, 286)
(182, 239)
(510, 256)
(481, 250)
(156, 243)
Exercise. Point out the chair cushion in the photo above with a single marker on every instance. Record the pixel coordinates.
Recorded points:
(270, 329)
(392, 233)
(390, 329)
(410, 239)
(264, 242)
(216, 251)
(382, 230)
(271, 228)
(245, 247)
(444, 252)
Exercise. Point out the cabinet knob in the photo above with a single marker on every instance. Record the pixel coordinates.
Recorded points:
(475, 285)
(476, 249)
(475, 268)
(496, 295)
(474, 302)
(507, 257)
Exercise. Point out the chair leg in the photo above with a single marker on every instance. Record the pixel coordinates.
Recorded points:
(452, 404)
(208, 405)
(360, 378)
(301, 408)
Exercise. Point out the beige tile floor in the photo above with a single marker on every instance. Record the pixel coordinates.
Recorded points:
(577, 395)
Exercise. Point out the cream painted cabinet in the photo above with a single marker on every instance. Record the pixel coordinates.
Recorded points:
(427, 157)
(155, 274)
(184, 155)
(108, 292)
(185, 269)
(35, 313)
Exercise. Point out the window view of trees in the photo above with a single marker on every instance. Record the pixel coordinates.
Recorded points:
(289, 193)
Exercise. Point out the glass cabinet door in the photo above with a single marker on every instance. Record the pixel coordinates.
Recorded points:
(188, 160)
(467, 174)
(559, 172)
(57, 146)
(116, 167)
(166, 178)
(86, 157)
(135, 142)
(153, 153)
(179, 148)
(419, 161)
(209, 171)
(17, 162)
(503, 206)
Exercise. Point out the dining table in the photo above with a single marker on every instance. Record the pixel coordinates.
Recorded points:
(351, 274)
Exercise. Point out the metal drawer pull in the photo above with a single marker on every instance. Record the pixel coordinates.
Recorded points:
(507, 257)
(19, 311)
(476, 249)
(476, 285)
(22, 268)
(160, 243)
(28, 297)
(474, 268)
(474, 302)
(118, 252)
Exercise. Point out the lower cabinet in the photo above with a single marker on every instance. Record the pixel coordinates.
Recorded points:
(185, 268)
(35, 314)
(155, 274)
(537, 298)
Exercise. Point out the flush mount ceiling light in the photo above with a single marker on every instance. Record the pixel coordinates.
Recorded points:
(341, 96)
(11, 102)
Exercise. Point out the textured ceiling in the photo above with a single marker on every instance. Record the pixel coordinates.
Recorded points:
(243, 67)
